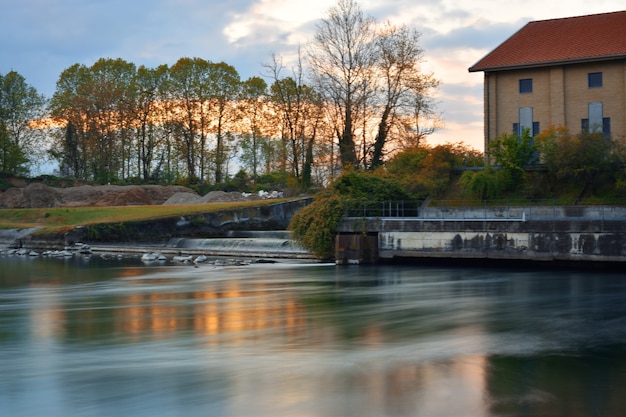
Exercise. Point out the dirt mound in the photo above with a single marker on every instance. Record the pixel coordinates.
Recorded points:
(182, 198)
(133, 196)
(37, 195)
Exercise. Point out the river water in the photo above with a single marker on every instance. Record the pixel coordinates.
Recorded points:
(119, 338)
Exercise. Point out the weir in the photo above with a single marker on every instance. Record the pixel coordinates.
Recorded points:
(266, 244)
(532, 233)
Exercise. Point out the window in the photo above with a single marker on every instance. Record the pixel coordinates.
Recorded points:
(594, 79)
(596, 122)
(595, 117)
(606, 126)
(526, 86)
(526, 122)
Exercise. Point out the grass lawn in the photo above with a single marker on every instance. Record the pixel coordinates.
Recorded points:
(56, 219)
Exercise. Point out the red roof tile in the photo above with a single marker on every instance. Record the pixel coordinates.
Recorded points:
(558, 41)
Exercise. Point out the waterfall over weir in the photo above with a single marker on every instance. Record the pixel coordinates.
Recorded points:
(267, 244)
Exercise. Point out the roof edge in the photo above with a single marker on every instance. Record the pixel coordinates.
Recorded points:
(549, 63)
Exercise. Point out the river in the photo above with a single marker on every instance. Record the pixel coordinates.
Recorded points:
(87, 337)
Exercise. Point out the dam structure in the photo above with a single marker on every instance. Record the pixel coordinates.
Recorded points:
(392, 230)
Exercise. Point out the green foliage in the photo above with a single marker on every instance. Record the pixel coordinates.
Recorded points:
(20, 144)
(427, 171)
(13, 160)
(513, 154)
(590, 161)
(315, 226)
(485, 184)
(580, 157)
(364, 186)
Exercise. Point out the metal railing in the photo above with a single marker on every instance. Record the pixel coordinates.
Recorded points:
(383, 208)
(535, 210)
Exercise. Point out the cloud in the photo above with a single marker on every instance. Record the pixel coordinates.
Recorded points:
(285, 22)
(479, 34)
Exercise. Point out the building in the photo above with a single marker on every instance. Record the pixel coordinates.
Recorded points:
(559, 72)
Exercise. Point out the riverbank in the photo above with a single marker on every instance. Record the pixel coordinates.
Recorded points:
(257, 230)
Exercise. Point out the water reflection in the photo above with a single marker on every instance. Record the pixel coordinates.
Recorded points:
(100, 338)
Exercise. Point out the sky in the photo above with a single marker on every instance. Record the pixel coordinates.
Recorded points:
(41, 38)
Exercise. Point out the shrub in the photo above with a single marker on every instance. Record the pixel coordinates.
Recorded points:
(316, 225)
(485, 184)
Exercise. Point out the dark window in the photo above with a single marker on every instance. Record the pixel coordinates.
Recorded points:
(526, 86)
(535, 131)
(606, 126)
(594, 79)
(517, 131)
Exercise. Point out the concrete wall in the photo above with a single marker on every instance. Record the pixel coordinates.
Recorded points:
(592, 233)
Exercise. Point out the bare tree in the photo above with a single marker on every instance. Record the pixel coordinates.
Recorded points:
(341, 57)
(370, 74)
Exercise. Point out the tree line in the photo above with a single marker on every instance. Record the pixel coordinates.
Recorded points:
(355, 95)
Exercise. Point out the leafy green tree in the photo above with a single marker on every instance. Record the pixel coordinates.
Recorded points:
(587, 159)
(224, 87)
(69, 109)
(486, 184)
(92, 105)
(514, 153)
(21, 141)
(252, 100)
(191, 97)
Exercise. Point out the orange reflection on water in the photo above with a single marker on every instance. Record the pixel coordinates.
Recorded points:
(222, 309)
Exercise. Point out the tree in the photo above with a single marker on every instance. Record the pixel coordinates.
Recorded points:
(514, 153)
(402, 87)
(224, 87)
(342, 55)
(587, 159)
(191, 97)
(149, 89)
(427, 170)
(21, 141)
(300, 111)
(93, 106)
(371, 74)
(252, 101)
(69, 109)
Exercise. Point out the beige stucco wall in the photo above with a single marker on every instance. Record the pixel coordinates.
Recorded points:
(560, 97)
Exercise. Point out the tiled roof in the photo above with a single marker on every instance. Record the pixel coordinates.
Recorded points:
(558, 41)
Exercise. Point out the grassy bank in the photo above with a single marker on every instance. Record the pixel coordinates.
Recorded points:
(53, 220)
